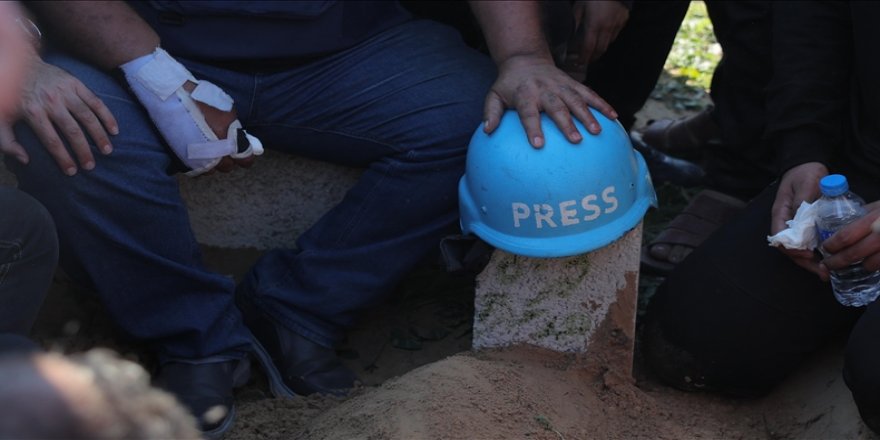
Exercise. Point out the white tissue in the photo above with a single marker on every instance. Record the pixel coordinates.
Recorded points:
(801, 231)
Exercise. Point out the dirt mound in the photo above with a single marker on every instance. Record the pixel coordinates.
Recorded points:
(516, 393)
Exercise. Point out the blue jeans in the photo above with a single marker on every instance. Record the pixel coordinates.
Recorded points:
(402, 104)
(28, 256)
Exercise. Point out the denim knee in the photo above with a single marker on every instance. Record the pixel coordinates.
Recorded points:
(30, 231)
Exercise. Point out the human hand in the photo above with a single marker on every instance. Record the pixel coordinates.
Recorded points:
(199, 125)
(533, 84)
(219, 121)
(56, 105)
(598, 22)
(799, 184)
(854, 242)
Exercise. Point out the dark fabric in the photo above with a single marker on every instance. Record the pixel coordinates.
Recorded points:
(276, 31)
(812, 46)
(744, 311)
(742, 164)
(627, 73)
(28, 256)
(13, 344)
(825, 97)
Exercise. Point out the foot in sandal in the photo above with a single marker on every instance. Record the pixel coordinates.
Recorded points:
(707, 211)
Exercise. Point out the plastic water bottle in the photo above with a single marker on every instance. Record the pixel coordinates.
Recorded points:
(853, 286)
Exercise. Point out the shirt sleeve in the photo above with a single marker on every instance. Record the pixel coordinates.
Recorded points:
(808, 93)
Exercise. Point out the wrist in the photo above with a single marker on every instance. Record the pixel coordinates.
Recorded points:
(527, 58)
(31, 31)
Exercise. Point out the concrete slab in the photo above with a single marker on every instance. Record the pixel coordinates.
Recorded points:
(264, 207)
(580, 304)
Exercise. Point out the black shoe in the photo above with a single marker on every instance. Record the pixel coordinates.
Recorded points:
(665, 168)
(206, 389)
(294, 364)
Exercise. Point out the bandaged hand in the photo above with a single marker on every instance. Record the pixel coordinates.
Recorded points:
(158, 81)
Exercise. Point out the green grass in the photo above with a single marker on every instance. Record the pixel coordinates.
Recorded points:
(687, 74)
(695, 52)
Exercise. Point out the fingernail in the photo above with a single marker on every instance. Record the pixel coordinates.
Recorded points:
(22, 159)
(88, 166)
(114, 130)
(594, 128)
(70, 171)
(537, 142)
(576, 136)
(107, 149)
(614, 114)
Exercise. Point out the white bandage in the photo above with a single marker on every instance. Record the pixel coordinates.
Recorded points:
(157, 80)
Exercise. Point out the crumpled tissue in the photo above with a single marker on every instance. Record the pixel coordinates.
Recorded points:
(801, 232)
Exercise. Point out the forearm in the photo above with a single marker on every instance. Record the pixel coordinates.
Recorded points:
(106, 33)
(512, 29)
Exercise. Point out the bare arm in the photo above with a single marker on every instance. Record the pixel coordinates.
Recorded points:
(105, 33)
(528, 80)
(108, 34)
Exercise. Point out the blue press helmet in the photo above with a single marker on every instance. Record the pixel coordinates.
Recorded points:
(560, 200)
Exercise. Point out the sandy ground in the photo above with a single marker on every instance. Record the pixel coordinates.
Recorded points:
(421, 381)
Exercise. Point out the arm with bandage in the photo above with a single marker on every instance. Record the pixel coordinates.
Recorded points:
(195, 117)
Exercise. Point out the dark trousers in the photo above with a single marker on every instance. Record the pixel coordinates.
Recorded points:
(626, 74)
(742, 163)
(737, 316)
(28, 255)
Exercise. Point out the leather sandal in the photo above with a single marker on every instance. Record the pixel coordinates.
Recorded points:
(683, 137)
(707, 211)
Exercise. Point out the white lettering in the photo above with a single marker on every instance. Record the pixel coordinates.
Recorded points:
(520, 212)
(593, 209)
(607, 197)
(569, 216)
(543, 213)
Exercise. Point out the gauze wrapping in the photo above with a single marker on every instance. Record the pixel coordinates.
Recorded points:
(157, 80)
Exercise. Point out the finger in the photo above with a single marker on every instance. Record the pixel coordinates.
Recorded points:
(493, 108)
(852, 235)
(780, 213)
(824, 273)
(810, 264)
(555, 107)
(48, 136)
(10, 146)
(76, 138)
(594, 100)
(97, 119)
(225, 165)
(853, 254)
(872, 263)
(245, 162)
(799, 254)
(581, 111)
(531, 121)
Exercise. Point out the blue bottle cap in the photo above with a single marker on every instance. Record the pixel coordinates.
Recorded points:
(833, 185)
